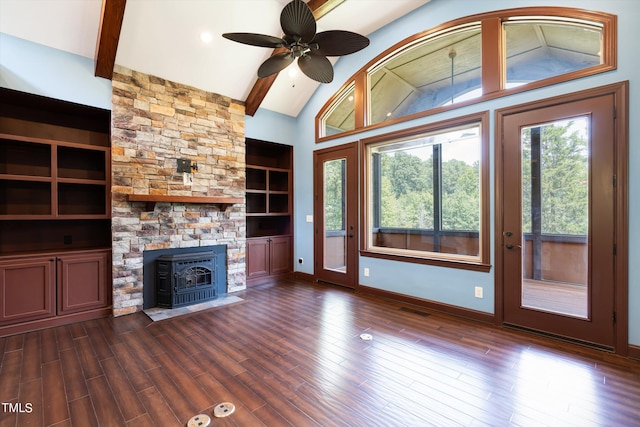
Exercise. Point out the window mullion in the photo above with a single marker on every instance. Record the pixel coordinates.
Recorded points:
(437, 196)
(376, 175)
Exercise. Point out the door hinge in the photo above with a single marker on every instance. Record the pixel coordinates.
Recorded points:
(615, 113)
(614, 317)
(615, 249)
(615, 181)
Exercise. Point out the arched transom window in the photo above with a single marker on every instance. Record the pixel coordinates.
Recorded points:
(470, 60)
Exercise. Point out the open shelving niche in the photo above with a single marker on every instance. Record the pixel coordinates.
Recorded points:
(269, 207)
(54, 179)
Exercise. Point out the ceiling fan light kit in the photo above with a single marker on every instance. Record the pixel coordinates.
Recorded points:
(302, 43)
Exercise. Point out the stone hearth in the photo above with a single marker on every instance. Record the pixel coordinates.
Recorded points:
(155, 122)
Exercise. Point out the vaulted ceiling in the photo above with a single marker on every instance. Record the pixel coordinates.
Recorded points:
(163, 38)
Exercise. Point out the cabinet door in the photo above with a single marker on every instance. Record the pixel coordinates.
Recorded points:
(82, 282)
(280, 255)
(257, 257)
(27, 290)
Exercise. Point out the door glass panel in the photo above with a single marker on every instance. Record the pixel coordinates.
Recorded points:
(335, 254)
(555, 217)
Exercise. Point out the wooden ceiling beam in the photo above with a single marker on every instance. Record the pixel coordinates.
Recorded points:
(260, 89)
(109, 36)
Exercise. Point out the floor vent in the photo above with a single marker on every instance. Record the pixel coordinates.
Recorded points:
(414, 311)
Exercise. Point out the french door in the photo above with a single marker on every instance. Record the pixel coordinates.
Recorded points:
(558, 213)
(336, 215)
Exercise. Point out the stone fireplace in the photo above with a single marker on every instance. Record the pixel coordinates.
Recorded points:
(155, 123)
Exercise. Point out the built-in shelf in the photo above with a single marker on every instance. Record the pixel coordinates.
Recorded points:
(152, 199)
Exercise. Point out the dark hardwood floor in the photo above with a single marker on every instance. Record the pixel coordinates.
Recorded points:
(291, 354)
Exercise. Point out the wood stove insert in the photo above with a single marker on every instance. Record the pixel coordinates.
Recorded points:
(187, 278)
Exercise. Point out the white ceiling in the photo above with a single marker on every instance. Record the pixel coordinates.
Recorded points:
(162, 38)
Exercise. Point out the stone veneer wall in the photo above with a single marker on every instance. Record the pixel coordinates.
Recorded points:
(154, 123)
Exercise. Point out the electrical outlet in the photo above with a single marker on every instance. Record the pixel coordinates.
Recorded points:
(478, 292)
(187, 179)
(309, 218)
(300, 261)
(366, 272)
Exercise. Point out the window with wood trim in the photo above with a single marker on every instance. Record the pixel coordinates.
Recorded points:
(435, 71)
(426, 194)
(341, 115)
(471, 60)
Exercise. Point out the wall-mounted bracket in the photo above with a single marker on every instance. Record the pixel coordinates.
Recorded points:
(184, 166)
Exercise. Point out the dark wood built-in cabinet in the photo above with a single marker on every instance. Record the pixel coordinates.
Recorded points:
(55, 212)
(52, 285)
(269, 191)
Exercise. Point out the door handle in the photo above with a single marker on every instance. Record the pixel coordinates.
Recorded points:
(510, 246)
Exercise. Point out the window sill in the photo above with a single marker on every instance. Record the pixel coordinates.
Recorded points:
(439, 262)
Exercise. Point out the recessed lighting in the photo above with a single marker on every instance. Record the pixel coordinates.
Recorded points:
(293, 72)
(350, 98)
(206, 37)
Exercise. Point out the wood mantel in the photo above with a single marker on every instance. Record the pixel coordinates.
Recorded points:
(152, 199)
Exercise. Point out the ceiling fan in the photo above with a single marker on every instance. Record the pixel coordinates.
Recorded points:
(302, 42)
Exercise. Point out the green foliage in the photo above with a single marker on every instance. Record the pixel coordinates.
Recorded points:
(564, 182)
(334, 185)
(407, 199)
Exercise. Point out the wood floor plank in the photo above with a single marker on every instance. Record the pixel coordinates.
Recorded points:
(109, 333)
(133, 369)
(274, 395)
(179, 355)
(31, 358)
(104, 402)
(74, 382)
(8, 419)
(10, 376)
(54, 398)
(82, 412)
(270, 417)
(87, 357)
(98, 342)
(235, 385)
(124, 393)
(77, 330)
(242, 415)
(143, 420)
(187, 385)
(63, 337)
(142, 355)
(181, 406)
(291, 354)
(15, 342)
(157, 408)
(49, 347)
(30, 394)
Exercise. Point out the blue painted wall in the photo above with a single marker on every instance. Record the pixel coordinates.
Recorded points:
(38, 69)
(270, 126)
(448, 285)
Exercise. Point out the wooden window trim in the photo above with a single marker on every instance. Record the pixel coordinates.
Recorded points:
(492, 63)
(442, 260)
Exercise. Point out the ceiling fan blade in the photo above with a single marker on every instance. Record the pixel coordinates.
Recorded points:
(316, 66)
(275, 64)
(297, 20)
(339, 42)
(260, 40)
